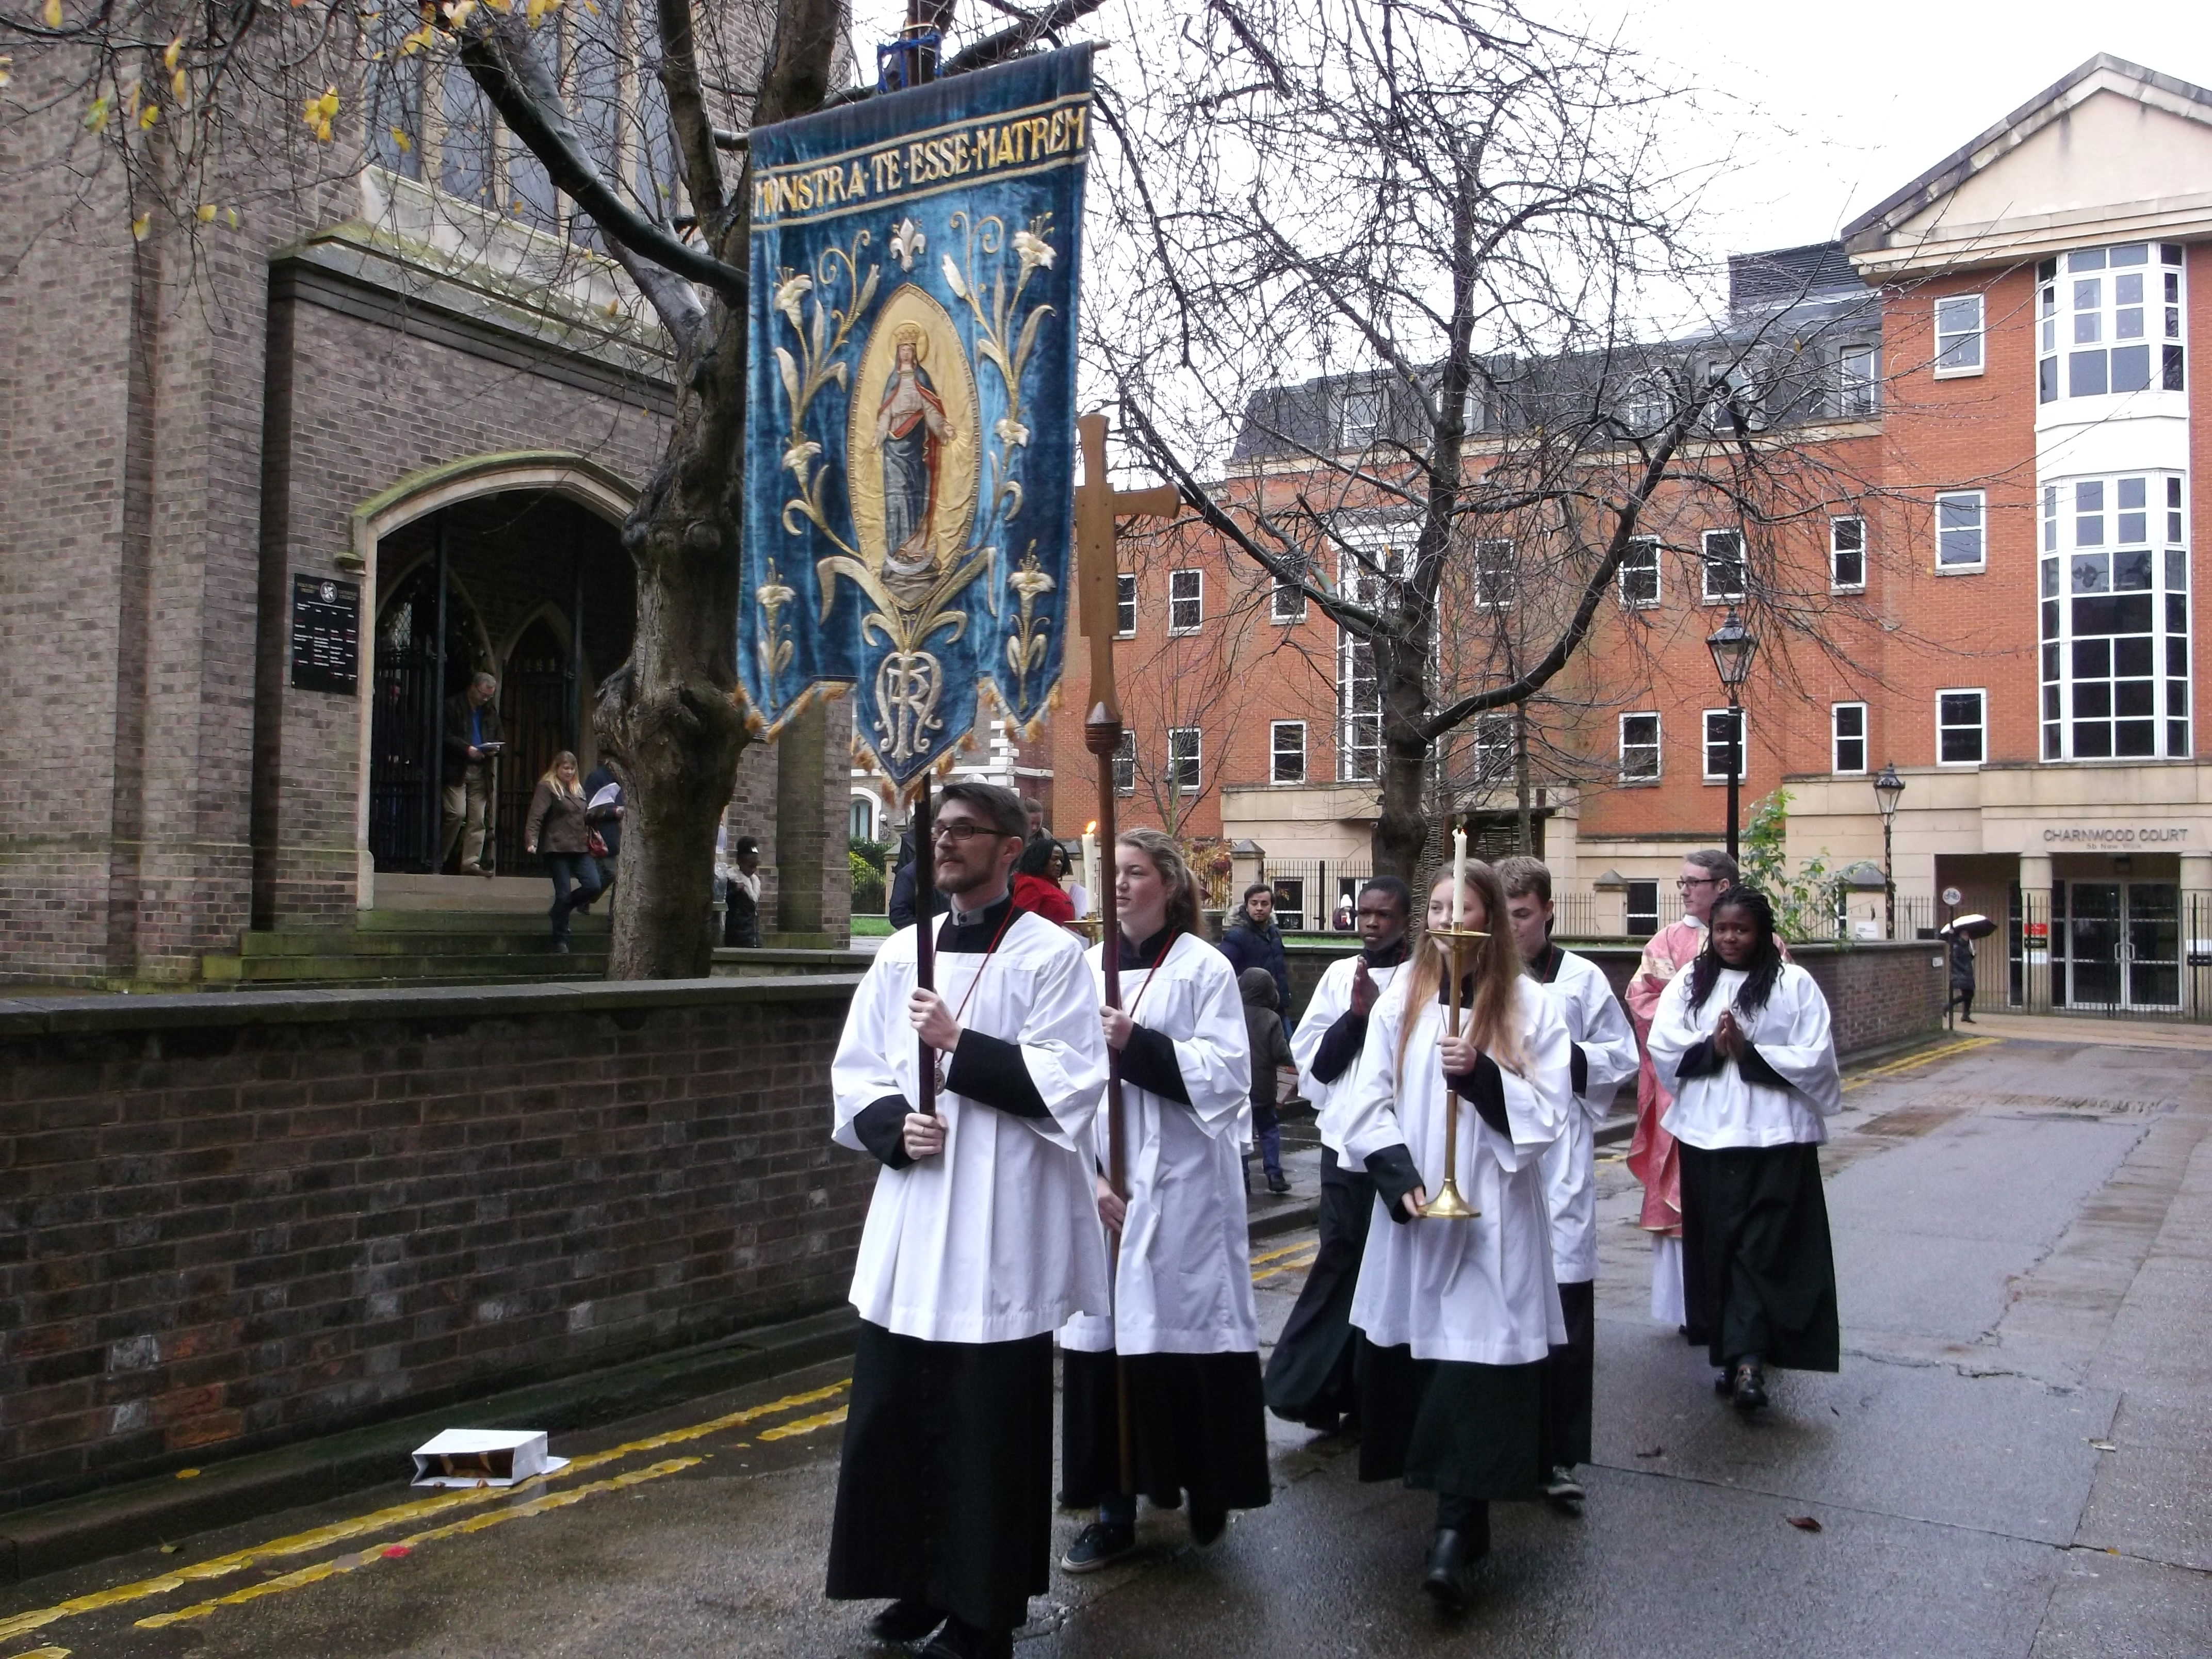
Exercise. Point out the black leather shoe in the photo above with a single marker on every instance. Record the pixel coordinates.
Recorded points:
(1277, 1182)
(908, 1619)
(1445, 1581)
(959, 1641)
(1207, 1526)
(1750, 1386)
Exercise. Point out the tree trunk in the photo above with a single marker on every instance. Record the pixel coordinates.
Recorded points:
(1399, 840)
(672, 715)
(1524, 843)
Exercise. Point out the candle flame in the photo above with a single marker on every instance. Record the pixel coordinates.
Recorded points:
(1091, 827)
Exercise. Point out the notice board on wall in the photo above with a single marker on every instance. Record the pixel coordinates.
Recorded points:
(325, 634)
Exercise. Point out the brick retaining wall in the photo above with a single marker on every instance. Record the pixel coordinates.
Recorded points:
(228, 1223)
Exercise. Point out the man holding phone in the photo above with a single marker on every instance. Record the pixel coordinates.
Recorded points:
(473, 738)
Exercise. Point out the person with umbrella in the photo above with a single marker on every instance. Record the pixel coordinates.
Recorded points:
(1962, 933)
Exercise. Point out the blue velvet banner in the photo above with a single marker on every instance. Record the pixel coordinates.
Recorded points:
(910, 428)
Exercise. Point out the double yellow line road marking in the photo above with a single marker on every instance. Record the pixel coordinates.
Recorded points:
(473, 1510)
(400, 1515)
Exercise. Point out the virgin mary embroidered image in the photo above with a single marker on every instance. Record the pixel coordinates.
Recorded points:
(911, 431)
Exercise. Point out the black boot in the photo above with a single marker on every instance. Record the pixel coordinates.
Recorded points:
(1445, 1581)
(1750, 1384)
(907, 1620)
(964, 1641)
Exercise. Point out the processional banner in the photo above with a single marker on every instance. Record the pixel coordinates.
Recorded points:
(909, 453)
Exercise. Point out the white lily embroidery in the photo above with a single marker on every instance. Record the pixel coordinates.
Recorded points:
(1011, 432)
(953, 279)
(908, 243)
(789, 292)
(1032, 249)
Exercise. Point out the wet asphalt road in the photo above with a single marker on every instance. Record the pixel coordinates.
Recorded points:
(2017, 1459)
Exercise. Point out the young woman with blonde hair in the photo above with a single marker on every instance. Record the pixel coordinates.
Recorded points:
(1458, 1316)
(1184, 1326)
(559, 827)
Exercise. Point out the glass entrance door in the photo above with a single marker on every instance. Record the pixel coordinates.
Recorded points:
(2123, 944)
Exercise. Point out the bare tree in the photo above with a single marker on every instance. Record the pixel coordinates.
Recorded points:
(1459, 223)
(195, 119)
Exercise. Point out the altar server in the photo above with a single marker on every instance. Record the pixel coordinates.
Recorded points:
(1743, 1040)
(1604, 1056)
(1459, 1316)
(981, 1240)
(1310, 1375)
(1651, 1154)
(1183, 1333)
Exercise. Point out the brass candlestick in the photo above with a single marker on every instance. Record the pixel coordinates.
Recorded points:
(1447, 1204)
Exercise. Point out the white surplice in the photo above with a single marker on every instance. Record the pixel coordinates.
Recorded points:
(1331, 1001)
(1481, 1292)
(1183, 1282)
(996, 1238)
(1597, 1025)
(1791, 1034)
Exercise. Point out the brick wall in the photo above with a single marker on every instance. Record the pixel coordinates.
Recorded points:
(225, 1225)
(1878, 993)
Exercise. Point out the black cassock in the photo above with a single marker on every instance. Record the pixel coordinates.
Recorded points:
(944, 1492)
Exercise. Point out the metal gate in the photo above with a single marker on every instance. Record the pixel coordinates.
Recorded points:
(536, 713)
(404, 739)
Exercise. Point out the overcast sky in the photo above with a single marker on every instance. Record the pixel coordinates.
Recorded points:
(1835, 106)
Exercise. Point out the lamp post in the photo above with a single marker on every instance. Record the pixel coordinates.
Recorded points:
(1733, 646)
(1887, 788)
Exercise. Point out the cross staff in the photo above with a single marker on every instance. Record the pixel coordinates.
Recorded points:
(1097, 506)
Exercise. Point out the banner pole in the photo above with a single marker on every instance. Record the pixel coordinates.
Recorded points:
(925, 932)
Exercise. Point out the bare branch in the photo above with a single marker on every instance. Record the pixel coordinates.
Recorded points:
(687, 111)
(498, 54)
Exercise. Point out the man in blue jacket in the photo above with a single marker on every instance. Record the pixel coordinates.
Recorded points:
(1252, 940)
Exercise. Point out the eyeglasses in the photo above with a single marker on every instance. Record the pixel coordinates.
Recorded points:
(1684, 884)
(960, 830)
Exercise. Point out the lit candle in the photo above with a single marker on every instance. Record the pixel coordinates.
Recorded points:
(1091, 866)
(1459, 878)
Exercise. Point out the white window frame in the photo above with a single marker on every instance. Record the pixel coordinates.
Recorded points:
(1380, 544)
(1494, 742)
(1950, 339)
(1981, 727)
(1125, 764)
(1742, 748)
(1836, 584)
(1374, 403)
(1124, 604)
(1648, 545)
(1859, 382)
(1490, 579)
(1175, 599)
(1981, 501)
(1837, 739)
(1657, 746)
(1276, 750)
(1296, 595)
(1741, 559)
(1195, 760)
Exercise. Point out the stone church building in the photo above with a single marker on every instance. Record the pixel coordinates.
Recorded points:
(271, 495)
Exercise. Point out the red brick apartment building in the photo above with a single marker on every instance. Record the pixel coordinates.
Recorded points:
(2010, 620)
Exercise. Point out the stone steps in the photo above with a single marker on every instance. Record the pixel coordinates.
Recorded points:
(386, 949)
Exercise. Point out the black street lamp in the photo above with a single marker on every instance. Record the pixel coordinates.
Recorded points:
(1887, 788)
(1733, 646)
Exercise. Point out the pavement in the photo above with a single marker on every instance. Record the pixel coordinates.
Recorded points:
(2015, 1459)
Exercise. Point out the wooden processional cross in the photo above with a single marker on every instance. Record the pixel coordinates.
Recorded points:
(1098, 505)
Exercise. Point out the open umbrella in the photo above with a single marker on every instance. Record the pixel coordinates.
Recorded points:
(1971, 925)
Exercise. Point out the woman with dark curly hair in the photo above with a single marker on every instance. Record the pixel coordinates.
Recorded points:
(1743, 1040)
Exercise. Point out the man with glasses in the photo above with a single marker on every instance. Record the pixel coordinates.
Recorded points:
(1309, 1378)
(981, 1240)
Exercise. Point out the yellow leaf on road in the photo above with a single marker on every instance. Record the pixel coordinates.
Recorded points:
(147, 115)
(52, 14)
(177, 86)
(207, 213)
(175, 51)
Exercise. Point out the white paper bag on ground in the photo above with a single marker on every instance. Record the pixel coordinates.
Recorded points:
(483, 1457)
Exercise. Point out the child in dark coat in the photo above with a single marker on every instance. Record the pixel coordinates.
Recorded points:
(1263, 1025)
